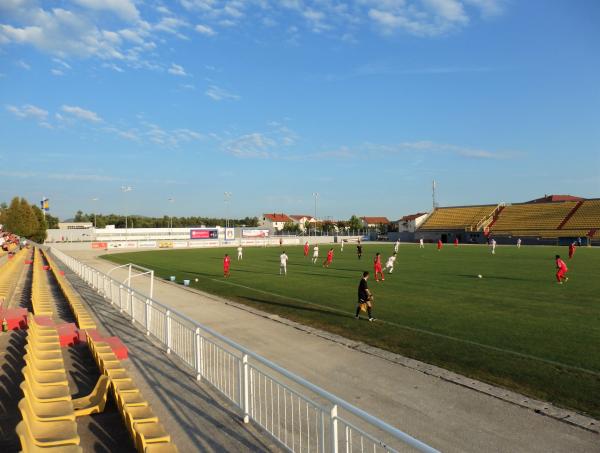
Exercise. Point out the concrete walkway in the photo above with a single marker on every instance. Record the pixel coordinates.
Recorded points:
(447, 416)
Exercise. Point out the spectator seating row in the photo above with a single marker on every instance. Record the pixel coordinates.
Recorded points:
(9, 273)
(459, 218)
(532, 216)
(147, 433)
(46, 408)
(42, 300)
(84, 319)
(587, 216)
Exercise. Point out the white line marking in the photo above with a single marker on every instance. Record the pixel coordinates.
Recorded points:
(416, 329)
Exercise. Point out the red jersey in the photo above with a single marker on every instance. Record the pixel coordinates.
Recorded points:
(330, 255)
(439, 244)
(377, 261)
(560, 264)
(456, 242)
(306, 249)
(226, 262)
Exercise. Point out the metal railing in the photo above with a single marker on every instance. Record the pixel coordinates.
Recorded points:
(301, 416)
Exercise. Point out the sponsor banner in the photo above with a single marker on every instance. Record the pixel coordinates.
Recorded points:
(254, 242)
(204, 244)
(255, 234)
(115, 245)
(180, 244)
(147, 244)
(204, 233)
(229, 234)
(130, 245)
(99, 245)
(165, 244)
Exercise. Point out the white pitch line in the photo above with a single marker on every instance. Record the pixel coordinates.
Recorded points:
(416, 329)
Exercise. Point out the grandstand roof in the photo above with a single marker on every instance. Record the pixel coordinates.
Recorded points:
(553, 198)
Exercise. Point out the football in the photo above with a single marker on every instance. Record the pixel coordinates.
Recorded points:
(480, 276)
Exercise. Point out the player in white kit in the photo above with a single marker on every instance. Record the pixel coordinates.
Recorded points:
(519, 243)
(240, 251)
(283, 258)
(421, 245)
(389, 265)
(396, 245)
(315, 254)
(493, 244)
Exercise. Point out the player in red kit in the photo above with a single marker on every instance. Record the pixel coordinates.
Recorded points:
(226, 264)
(455, 242)
(439, 245)
(306, 249)
(561, 270)
(377, 266)
(329, 258)
(571, 250)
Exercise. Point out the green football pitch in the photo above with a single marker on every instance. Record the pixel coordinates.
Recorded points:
(515, 327)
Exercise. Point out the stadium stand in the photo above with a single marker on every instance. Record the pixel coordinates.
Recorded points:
(586, 217)
(9, 273)
(468, 218)
(532, 219)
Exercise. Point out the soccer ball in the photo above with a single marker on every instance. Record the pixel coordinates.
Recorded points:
(479, 276)
(196, 280)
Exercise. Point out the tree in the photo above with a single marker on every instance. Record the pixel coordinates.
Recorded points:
(51, 221)
(20, 219)
(40, 234)
(291, 227)
(355, 223)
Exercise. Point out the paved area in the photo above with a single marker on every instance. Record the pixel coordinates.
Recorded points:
(445, 415)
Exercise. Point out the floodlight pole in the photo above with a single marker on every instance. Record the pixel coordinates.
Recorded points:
(171, 200)
(316, 195)
(226, 198)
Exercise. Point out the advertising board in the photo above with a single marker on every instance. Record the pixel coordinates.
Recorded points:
(255, 234)
(204, 233)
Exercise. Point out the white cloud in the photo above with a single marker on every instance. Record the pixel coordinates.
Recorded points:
(125, 9)
(255, 145)
(112, 66)
(205, 30)
(219, 94)
(24, 65)
(57, 72)
(28, 111)
(81, 113)
(177, 70)
(172, 25)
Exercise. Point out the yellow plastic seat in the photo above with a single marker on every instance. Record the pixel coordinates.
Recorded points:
(46, 393)
(162, 447)
(95, 401)
(130, 399)
(149, 433)
(55, 356)
(43, 365)
(124, 386)
(48, 378)
(139, 414)
(48, 412)
(50, 434)
(28, 445)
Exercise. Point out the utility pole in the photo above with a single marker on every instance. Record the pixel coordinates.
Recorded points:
(433, 195)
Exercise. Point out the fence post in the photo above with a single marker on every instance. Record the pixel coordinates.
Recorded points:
(246, 398)
(322, 429)
(132, 305)
(168, 327)
(334, 429)
(120, 299)
(199, 344)
(147, 317)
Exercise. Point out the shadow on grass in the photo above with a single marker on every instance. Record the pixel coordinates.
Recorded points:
(493, 277)
(294, 306)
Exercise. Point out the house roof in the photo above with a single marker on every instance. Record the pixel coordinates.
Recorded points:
(301, 216)
(274, 217)
(375, 220)
(410, 217)
(552, 198)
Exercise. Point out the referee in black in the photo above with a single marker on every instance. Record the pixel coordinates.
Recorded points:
(364, 296)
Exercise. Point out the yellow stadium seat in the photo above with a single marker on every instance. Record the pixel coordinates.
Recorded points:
(43, 365)
(162, 447)
(47, 378)
(95, 401)
(138, 415)
(46, 393)
(28, 445)
(50, 434)
(149, 433)
(48, 412)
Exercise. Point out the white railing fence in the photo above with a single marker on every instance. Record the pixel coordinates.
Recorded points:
(297, 413)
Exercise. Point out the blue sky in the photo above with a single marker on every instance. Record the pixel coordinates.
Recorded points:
(363, 101)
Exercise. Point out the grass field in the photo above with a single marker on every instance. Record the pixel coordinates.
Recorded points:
(515, 327)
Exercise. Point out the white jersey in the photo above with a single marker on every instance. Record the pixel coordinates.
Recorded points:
(239, 249)
(316, 252)
(421, 241)
(396, 245)
(283, 259)
(390, 261)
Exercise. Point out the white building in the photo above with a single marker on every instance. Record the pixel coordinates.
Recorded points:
(302, 221)
(274, 221)
(410, 223)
